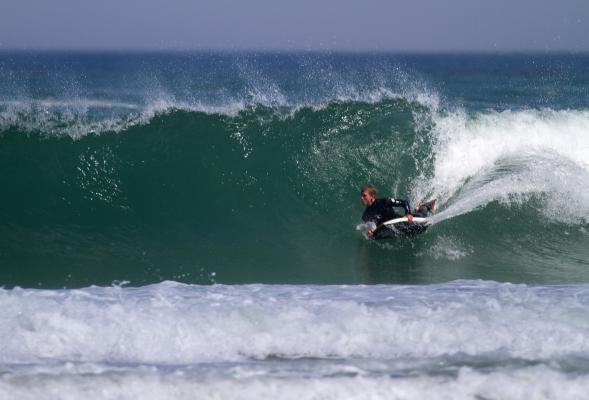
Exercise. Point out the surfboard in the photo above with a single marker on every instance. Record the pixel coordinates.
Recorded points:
(416, 220)
(401, 227)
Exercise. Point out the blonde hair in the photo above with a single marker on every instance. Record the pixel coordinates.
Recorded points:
(370, 189)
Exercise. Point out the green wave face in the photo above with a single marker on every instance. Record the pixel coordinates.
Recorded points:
(271, 195)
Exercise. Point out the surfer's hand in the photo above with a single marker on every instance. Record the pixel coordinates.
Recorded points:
(369, 233)
(409, 217)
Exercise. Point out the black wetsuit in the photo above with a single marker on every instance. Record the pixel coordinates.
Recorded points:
(383, 210)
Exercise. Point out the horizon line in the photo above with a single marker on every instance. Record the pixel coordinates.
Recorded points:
(140, 50)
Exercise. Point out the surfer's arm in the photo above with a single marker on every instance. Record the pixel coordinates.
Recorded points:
(405, 205)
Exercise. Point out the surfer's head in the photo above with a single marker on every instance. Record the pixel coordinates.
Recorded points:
(367, 195)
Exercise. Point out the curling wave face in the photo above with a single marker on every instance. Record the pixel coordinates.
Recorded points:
(196, 183)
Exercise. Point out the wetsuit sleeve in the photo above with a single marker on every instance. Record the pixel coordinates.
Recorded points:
(401, 203)
(365, 216)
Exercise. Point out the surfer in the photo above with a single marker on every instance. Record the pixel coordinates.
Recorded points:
(380, 210)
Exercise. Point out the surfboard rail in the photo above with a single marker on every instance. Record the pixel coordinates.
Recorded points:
(416, 220)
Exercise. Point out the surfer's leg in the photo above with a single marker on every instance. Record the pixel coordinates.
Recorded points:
(423, 210)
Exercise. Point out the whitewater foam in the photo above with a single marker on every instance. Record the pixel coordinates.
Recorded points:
(461, 340)
(540, 382)
(171, 323)
(508, 157)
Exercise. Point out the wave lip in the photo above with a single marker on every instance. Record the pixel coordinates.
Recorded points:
(80, 115)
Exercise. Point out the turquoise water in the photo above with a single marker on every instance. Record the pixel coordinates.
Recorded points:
(199, 213)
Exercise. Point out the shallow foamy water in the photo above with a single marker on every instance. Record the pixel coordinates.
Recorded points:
(457, 340)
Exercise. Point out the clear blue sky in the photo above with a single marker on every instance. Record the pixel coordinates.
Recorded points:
(408, 25)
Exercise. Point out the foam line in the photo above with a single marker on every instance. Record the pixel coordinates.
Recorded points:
(171, 323)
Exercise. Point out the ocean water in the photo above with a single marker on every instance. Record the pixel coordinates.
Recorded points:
(185, 225)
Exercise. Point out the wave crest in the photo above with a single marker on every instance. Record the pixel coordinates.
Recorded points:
(510, 156)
